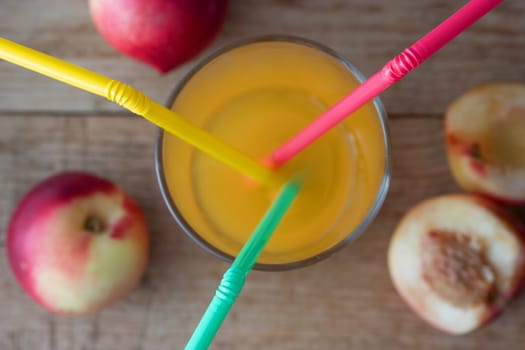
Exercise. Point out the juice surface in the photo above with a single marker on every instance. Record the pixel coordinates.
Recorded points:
(255, 98)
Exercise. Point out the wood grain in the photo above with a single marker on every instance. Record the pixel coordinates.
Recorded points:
(344, 302)
(367, 32)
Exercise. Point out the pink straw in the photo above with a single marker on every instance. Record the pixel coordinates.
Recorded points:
(392, 72)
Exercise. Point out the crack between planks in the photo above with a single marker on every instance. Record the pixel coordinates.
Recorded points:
(397, 116)
(24, 113)
(37, 113)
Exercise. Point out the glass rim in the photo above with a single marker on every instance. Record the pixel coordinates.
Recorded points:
(354, 234)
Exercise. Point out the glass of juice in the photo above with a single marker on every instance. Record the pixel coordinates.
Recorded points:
(255, 95)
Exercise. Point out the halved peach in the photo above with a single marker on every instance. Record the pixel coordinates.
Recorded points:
(485, 141)
(457, 260)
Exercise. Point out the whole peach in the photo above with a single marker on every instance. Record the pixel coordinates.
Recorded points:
(77, 242)
(162, 33)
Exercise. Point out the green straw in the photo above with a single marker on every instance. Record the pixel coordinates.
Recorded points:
(234, 278)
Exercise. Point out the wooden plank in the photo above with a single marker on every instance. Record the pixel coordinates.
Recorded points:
(345, 302)
(367, 32)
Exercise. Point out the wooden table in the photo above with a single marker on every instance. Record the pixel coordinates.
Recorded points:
(345, 302)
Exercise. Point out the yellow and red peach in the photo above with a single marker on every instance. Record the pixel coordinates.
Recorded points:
(77, 242)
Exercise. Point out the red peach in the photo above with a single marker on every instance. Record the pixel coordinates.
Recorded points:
(162, 33)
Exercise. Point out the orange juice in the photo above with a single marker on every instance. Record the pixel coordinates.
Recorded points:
(255, 97)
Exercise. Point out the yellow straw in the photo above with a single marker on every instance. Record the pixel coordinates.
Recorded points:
(137, 102)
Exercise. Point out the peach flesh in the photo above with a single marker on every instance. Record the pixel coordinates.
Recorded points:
(495, 264)
(484, 131)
